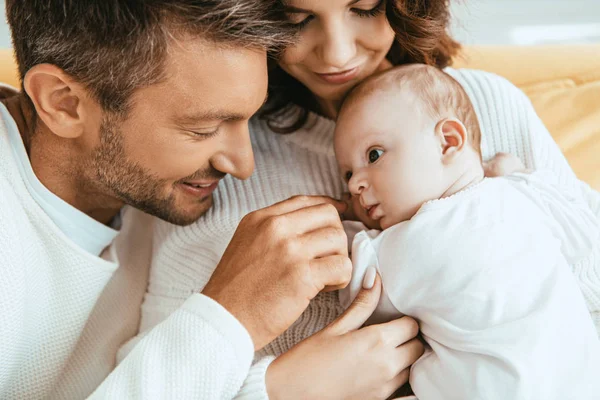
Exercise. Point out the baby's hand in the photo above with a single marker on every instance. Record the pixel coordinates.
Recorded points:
(503, 164)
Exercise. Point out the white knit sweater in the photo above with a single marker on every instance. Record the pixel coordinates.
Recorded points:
(303, 163)
(64, 312)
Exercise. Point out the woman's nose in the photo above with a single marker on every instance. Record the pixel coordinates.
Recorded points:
(236, 157)
(338, 47)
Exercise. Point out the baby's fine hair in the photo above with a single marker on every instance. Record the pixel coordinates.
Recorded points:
(442, 96)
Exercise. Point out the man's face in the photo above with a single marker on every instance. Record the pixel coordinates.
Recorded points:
(183, 135)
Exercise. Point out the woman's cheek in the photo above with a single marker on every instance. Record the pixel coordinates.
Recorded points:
(376, 33)
(302, 48)
(291, 56)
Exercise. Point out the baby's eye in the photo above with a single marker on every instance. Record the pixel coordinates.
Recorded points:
(374, 155)
(348, 175)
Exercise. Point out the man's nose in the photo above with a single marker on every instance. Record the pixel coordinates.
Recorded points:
(236, 156)
(338, 47)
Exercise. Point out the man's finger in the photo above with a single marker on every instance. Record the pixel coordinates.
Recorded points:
(325, 242)
(312, 218)
(359, 311)
(298, 202)
(333, 271)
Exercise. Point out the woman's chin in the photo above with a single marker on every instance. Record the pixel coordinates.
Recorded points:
(332, 93)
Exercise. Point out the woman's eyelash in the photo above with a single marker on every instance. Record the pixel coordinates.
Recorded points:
(373, 12)
(300, 25)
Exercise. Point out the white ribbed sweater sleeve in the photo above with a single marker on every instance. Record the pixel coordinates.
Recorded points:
(199, 352)
(254, 387)
(14, 318)
(574, 223)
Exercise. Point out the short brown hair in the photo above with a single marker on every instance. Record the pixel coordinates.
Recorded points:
(422, 35)
(440, 94)
(114, 47)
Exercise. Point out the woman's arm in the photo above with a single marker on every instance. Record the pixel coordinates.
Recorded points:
(510, 124)
(202, 351)
(347, 361)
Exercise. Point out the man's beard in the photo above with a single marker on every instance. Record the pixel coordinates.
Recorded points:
(132, 184)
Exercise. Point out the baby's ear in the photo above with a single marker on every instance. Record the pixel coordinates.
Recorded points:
(453, 138)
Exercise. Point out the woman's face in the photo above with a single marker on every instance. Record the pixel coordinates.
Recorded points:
(341, 42)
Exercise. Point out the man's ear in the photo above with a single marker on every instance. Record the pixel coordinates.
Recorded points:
(58, 100)
(453, 138)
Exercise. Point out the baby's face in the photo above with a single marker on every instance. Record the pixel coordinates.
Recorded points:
(388, 153)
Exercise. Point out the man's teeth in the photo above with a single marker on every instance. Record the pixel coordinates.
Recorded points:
(199, 186)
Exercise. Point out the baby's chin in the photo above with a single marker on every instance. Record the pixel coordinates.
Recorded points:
(387, 222)
(369, 223)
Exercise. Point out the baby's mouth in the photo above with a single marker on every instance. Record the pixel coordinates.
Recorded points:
(371, 210)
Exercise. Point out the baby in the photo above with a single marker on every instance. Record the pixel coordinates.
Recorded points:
(481, 263)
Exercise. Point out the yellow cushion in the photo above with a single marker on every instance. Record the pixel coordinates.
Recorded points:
(563, 83)
(8, 69)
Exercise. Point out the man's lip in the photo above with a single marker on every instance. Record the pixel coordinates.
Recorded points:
(199, 189)
(340, 77)
(202, 183)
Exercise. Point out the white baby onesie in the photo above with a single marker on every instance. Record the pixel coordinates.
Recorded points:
(486, 273)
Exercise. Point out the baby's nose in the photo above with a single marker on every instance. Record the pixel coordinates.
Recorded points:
(356, 185)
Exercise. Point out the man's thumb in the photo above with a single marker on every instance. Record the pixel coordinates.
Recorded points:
(361, 308)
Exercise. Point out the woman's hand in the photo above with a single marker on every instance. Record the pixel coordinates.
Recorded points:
(503, 164)
(344, 361)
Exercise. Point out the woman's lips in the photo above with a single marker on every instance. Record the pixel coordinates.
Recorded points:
(340, 77)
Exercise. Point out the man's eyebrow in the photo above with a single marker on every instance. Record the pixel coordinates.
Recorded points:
(297, 10)
(212, 115)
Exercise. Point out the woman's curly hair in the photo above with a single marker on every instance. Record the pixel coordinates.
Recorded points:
(422, 36)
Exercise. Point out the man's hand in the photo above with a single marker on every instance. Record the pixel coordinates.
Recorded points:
(279, 259)
(344, 361)
(503, 164)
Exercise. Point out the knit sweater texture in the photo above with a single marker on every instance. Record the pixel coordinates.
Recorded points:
(303, 162)
(68, 317)
(65, 312)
